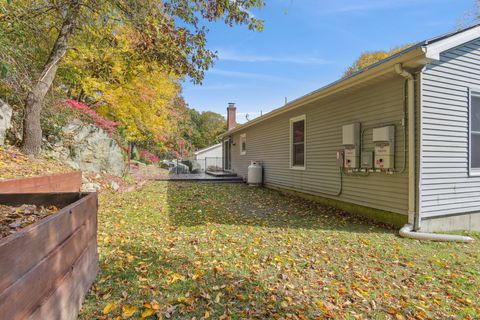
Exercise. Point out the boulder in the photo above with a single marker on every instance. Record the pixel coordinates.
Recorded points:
(90, 187)
(179, 168)
(5, 120)
(89, 148)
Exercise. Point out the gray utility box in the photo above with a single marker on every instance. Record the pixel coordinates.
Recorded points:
(351, 143)
(384, 139)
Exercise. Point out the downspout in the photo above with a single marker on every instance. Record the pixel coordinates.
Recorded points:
(411, 140)
(409, 230)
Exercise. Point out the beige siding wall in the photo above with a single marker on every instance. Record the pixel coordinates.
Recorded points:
(446, 187)
(376, 104)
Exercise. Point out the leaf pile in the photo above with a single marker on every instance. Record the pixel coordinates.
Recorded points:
(14, 164)
(216, 251)
(12, 219)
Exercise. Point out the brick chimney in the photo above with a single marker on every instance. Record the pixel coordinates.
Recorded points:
(231, 116)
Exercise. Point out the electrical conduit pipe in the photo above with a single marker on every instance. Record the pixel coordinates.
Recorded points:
(408, 230)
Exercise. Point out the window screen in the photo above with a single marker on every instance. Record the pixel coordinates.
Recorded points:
(298, 147)
(243, 144)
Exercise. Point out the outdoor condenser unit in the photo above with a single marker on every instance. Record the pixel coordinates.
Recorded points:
(384, 140)
(351, 143)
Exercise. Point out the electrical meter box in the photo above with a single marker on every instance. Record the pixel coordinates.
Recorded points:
(384, 140)
(351, 143)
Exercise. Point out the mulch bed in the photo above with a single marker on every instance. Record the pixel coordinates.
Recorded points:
(13, 219)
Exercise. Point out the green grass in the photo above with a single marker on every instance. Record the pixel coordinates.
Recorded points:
(186, 250)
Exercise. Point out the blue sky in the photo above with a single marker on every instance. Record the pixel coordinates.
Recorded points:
(307, 44)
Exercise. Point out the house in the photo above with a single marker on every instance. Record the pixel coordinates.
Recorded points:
(209, 156)
(398, 141)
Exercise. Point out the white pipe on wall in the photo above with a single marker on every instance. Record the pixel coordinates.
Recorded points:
(411, 140)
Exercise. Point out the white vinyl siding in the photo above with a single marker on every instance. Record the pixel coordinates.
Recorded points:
(269, 142)
(448, 183)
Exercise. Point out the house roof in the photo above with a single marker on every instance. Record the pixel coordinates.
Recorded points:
(207, 148)
(412, 57)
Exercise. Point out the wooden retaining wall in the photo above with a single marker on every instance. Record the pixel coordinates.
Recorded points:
(47, 268)
(62, 182)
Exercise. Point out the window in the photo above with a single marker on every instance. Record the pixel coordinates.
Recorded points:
(475, 133)
(243, 144)
(297, 145)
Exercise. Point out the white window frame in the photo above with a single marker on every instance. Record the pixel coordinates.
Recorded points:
(292, 121)
(243, 137)
(473, 92)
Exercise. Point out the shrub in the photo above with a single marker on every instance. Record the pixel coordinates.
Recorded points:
(105, 124)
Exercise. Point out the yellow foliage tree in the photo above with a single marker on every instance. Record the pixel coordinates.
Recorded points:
(124, 87)
(370, 57)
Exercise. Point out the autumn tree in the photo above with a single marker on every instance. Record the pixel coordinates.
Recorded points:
(170, 33)
(106, 71)
(204, 128)
(370, 57)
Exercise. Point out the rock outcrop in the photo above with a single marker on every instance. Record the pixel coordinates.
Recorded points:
(5, 120)
(87, 147)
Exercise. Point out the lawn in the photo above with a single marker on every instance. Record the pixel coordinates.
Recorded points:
(190, 251)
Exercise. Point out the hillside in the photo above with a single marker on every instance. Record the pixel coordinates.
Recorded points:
(14, 164)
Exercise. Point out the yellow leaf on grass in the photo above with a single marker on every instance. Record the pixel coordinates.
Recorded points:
(155, 305)
(128, 311)
(197, 275)
(147, 313)
(218, 269)
(176, 277)
(109, 308)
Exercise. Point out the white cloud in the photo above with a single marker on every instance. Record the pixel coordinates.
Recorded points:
(231, 55)
(246, 75)
(359, 6)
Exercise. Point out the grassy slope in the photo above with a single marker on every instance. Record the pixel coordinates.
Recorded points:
(184, 250)
(14, 164)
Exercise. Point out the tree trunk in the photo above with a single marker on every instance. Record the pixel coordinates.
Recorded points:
(32, 131)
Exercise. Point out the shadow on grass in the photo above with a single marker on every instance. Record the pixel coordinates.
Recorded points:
(192, 204)
(185, 289)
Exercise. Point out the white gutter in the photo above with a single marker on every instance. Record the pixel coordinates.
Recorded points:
(408, 230)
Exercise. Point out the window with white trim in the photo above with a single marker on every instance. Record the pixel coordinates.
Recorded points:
(243, 144)
(297, 142)
(475, 133)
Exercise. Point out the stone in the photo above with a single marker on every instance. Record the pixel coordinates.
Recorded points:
(179, 168)
(5, 120)
(90, 187)
(89, 148)
(84, 179)
(114, 186)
